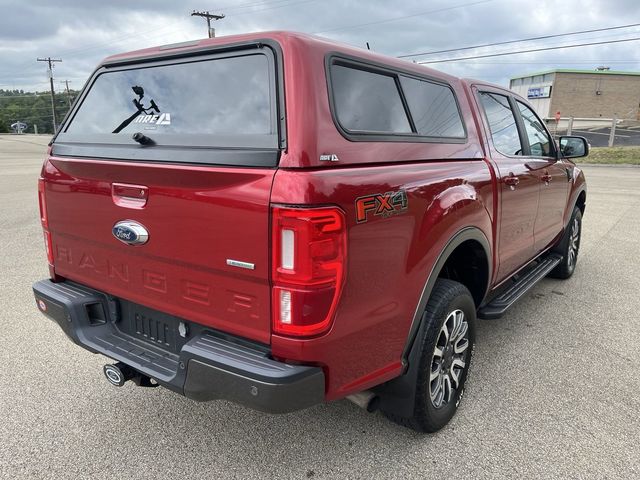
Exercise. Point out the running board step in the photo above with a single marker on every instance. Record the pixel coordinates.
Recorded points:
(499, 305)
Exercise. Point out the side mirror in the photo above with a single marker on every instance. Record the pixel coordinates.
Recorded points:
(574, 147)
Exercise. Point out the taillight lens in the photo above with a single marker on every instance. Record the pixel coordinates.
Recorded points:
(45, 221)
(309, 262)
(48, 246)
(42, 204)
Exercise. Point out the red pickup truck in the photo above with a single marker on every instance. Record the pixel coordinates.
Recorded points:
(279, 220)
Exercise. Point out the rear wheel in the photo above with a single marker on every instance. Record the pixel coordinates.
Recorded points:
(446, 350)
(569, 247)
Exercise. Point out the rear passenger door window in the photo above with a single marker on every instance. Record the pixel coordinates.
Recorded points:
(368, 102)
(433, 108)
(539, 140)
(502, 123)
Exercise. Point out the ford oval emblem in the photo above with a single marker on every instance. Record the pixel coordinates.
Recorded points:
(130, 232)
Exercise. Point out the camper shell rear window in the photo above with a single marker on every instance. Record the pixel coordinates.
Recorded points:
(185, 108)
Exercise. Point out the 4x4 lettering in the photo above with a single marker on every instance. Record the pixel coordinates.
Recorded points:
(383, 204)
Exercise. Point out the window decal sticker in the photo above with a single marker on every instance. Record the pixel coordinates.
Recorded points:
(162, 119)
(140, 108)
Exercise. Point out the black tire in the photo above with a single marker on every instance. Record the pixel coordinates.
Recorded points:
(447, 298)
(569, 247)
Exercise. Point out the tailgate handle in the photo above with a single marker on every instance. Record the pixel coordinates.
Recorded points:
(128, 195)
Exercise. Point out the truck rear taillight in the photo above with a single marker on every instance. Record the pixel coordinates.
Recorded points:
(48, 246)
(309, 265)
(45, 221)
(42, 204)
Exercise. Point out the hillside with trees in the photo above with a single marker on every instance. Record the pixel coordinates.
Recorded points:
(32, 108)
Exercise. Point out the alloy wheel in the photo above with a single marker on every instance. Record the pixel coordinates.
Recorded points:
(448, 361)
(574, 243)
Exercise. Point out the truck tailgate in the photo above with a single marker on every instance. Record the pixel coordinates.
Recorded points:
(201, 220)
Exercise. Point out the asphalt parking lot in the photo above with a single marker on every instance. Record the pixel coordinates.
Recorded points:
(553, 391)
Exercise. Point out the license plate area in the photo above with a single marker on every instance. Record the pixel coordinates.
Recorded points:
(154, 327)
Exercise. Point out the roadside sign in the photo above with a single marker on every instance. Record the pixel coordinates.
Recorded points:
(18, 127)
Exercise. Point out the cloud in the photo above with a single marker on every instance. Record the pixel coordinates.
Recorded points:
(82, 33)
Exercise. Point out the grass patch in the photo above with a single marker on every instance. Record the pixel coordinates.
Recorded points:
(612, 156)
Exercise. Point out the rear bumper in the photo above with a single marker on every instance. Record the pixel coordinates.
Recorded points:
(205, 365)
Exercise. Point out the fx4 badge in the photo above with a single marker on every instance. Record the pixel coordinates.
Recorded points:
(384, 204)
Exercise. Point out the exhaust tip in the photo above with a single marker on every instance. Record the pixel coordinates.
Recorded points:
(374, 404)
(366, 400)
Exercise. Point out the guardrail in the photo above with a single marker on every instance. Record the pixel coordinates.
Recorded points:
(598, 129)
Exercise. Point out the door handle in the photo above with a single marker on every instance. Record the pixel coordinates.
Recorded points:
(546, 178)
(512, 181)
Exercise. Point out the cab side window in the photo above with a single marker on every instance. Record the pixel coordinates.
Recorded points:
(539, 141)
(502, 123)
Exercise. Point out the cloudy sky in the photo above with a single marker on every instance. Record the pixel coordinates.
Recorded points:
(84, 32)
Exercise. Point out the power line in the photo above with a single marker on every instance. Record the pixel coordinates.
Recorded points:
(273, 7)
(501, 54)
(51, 61)
(347, 27)
(252, 4)
(588, 62)
(37, 110)
(543, 37)
(35, 95)
(159, 31)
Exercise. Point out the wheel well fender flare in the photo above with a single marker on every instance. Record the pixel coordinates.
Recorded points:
(398, 395)
(461, 236)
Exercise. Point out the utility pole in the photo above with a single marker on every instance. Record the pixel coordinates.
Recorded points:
(66, 82)
(210, 31)
(51, 61)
